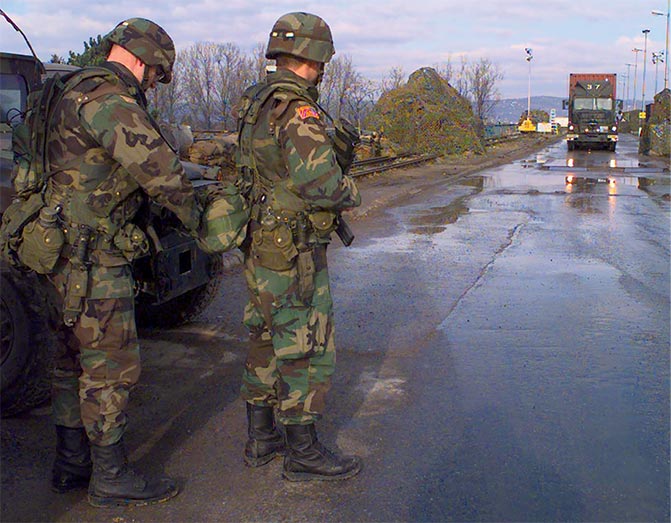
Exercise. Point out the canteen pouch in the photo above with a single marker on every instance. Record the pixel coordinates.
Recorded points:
(274, 249)
(42, 242)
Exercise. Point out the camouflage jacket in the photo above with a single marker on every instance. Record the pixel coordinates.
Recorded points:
(105, 151)
(292, 150)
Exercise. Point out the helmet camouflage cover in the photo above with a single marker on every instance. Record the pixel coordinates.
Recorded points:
(303, 35)
(147, 41)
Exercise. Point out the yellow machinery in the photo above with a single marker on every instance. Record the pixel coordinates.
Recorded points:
(527, 126)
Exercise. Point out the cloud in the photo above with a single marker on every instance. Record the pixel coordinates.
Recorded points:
(378, 35)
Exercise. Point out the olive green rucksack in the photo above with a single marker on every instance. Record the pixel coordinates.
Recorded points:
(223, 225)
(23, 242)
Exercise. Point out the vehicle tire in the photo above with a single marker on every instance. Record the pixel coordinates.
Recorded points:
(27, 341)
(186, 307)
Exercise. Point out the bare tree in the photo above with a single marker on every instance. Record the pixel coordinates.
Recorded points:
(394, 79)
(360, 100)
(235, 72)
(200, 61)
(461, 78)
(339, 78)
(444, 70)
(259, 62)
(483, 76)
(166, 100)
(209, 79)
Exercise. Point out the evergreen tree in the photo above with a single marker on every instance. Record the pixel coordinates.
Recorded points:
(94, 53)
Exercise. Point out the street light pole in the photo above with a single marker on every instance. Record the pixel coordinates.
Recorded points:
(666, 53)
(528, 59)
(635, 50)
(656, 58)
(645, 63)
(627, 84)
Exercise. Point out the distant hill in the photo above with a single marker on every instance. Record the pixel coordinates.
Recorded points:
(510, 109)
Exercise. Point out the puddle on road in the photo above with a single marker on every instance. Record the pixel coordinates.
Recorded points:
(579, 176)
(593, 161)
(537, 178)
(434, 219)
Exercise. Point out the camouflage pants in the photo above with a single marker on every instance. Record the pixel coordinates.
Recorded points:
(98, 359)
(290, 364)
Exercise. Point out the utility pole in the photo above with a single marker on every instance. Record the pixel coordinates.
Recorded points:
(645, 63)
(666, 53)
(627, 85)
(528, 59)
(635, 50)
(527, 124)
(656, 58)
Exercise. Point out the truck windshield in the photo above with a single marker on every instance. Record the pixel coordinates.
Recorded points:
(13, 94)
(593, 104)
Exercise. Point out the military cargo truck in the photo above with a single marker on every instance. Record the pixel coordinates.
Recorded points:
(592, 111)
(174, 283)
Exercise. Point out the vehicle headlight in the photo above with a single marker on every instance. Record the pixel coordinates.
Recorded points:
(570, 127)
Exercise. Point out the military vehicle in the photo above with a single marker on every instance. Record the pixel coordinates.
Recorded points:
(174, 283)
(592, 111)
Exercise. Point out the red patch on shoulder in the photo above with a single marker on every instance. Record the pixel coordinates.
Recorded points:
(307, 111)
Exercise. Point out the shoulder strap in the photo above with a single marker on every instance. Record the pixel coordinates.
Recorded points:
(53, 91)
(253, 100)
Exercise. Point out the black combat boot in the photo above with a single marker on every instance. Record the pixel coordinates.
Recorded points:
(265, 440)
(114, 483)
(72, 467)
(308, 459)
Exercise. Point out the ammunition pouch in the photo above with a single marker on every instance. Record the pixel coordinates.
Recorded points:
(274, 248)
(323, 223)
(306, 275)
(131, 241)
(76, 288)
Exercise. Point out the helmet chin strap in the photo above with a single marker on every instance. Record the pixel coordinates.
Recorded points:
(320, 76)
(145, 79)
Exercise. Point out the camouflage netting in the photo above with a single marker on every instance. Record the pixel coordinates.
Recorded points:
(427, 115)
(656, 132)
(212, 149)
(215, 150)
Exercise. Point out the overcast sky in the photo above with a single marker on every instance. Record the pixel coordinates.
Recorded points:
(565, 35)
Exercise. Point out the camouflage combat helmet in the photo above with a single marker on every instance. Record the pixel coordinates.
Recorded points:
(303, 35)
(147, 41)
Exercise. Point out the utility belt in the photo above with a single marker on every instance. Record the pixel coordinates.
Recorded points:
(306, 227)
(83, 247)
(282, 240)
(125, 245)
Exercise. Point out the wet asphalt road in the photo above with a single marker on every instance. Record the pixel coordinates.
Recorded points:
(503, 356)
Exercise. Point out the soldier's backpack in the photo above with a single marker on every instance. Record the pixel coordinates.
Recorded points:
(26, 240)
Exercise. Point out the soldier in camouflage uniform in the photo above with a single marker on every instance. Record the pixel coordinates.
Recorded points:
(105, 153)
(296, 191)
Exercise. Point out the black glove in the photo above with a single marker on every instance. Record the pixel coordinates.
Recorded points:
(345, 140)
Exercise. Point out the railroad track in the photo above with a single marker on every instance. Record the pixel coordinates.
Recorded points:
(386, 163)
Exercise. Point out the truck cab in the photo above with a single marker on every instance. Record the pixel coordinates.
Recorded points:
(592, 111)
